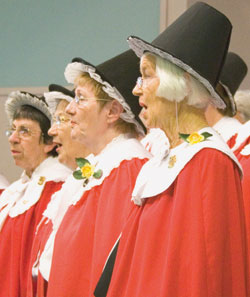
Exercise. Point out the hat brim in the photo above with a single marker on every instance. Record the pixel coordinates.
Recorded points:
(74, 69)
(53, 99)
(140, 46)
(17, 99)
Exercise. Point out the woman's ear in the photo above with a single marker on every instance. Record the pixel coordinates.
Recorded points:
(114, 111)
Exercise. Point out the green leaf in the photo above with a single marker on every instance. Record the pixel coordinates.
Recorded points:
(81, 162)
(206, 134)
(183, 136)
(98, 174)
(78, 174)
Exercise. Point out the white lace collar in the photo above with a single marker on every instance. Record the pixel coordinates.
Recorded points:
(156, 177)
(24, 193)
(227, 127)
(156, 142)
(119, 149)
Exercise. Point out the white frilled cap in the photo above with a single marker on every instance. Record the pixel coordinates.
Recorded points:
(56, 94)
(19, 98)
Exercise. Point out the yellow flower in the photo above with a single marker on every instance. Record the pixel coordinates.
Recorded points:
(195, 138)
(87, 170)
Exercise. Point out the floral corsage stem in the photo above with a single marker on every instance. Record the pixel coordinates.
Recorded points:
(195, 137)
(86, 171)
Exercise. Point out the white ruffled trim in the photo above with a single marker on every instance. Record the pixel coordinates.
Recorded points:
(139, 47)
(74, 69)
(227, 127)
(155, 178)
(17, 99)
(243, 134)
(24, 193)
(52, 170)
(157, 143)
(53, 98)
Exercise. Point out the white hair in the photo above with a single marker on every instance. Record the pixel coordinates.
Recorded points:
(176, 84)
(242, 100)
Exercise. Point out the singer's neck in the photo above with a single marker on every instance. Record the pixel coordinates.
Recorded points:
(100, 143)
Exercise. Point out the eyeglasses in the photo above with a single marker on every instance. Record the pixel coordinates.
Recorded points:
(139, 82)
(60, 119)
(22, 132)
(81, 99)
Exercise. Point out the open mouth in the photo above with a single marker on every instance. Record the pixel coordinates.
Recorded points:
(143, 105)
(58, 147)
(72, 123)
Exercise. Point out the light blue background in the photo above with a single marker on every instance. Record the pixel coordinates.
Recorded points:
(39, 38)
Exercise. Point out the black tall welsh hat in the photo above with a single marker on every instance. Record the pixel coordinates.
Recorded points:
(196, 42)
(56, 94)
(118, 76)
(232, 75)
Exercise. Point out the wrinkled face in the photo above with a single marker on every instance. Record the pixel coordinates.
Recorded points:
(88, 120)
(146, 90)
(26, 144)
(60, 130)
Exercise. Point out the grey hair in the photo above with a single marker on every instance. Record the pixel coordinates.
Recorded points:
(176, 84)
(242, 100)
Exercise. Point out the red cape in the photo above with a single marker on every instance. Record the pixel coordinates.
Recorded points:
(245, 163)
(89, 230)
(188, 241)
(16, 239)
(38, 286)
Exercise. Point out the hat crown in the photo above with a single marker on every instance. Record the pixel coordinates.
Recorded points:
(196, 42)
(61, 89)
(199, 38)
(118, 76)
(121, 72)
(233, 72)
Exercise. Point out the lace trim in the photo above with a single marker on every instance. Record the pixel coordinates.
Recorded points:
(74, 69)
(139, 47)
(53, 98)
(17, 99)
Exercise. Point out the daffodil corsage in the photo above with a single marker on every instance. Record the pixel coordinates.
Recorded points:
(86, 171)
(195, 137)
